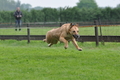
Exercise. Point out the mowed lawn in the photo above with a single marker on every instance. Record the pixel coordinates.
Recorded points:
(36, 61)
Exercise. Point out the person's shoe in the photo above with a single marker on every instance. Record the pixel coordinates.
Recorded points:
(19, 29)
(15, 29)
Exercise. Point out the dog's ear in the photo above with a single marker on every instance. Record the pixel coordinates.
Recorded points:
(71, 25)
(77, 24)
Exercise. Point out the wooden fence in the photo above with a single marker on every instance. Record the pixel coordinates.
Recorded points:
(83, 38)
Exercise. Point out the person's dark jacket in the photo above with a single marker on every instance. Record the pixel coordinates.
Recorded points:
(17, 15)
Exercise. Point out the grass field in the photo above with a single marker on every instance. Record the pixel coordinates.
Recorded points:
(36, 61)
(113, 30)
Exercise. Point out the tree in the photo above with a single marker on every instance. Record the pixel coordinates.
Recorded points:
(26, 6)
(118, 6)
(10, 5)
(7, 5)
(87, 4)
(38, 8)
(18, 3)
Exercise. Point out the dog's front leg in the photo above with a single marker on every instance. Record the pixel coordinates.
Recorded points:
(76, 45)
(62, 39)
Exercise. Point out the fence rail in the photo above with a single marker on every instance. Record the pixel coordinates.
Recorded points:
(83, 38)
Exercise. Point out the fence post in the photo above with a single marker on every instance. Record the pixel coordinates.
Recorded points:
(28, 33)
(60, 24)
(102, 41)
(96, 33)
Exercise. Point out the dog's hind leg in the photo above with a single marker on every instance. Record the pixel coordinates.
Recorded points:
(49, 45)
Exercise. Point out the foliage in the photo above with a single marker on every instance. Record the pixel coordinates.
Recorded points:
(25, 6)
(7, 4)
(38, 8)
(36, 61)
(10, 5)
(118, 6)
(66, 14)
(51, 14)
(87, 4)
(63, 15)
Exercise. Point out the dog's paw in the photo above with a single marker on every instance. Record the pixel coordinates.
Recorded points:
(65, 47)
(49, 45)
(80, 49)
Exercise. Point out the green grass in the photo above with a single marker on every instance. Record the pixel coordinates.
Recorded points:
(113, 30)
(33, 31)
(36, 61)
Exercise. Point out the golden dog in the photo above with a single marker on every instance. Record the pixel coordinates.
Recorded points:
(65, 33)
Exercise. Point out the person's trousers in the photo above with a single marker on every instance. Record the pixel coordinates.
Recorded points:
(18, 24)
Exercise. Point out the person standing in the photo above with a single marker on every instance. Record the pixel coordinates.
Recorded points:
(18, 15)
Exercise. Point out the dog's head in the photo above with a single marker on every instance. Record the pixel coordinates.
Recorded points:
(74, 30)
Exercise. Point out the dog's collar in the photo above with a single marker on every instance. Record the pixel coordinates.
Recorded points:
(68, 32)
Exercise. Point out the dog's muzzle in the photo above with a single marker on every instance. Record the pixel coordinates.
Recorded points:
(76, 36)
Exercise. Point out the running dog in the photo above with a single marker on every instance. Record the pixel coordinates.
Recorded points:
(63, 34)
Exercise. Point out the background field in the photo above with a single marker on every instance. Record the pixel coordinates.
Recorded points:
(112, 30)
(36, 61)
